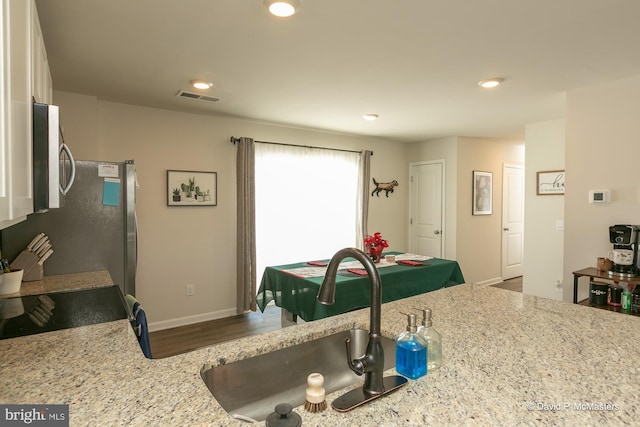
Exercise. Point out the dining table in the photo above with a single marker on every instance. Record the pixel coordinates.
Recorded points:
(294, 287)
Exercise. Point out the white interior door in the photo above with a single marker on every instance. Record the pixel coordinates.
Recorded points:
(512, 221)
(426, 208)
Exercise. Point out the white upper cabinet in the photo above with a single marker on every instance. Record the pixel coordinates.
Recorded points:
(41, 75)
(24, 74)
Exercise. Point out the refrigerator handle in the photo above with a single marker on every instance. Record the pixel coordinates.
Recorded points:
(131, 221)
(72, 173)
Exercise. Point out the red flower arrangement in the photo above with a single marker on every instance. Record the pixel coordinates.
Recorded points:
(374, 246)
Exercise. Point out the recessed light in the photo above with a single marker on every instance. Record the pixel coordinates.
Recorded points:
(282, 8)
(490, 83)
(370, 117)
(200, 84)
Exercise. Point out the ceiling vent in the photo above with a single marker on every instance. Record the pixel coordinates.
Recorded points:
(191, 95)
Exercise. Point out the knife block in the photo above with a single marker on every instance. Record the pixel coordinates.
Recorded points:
(35, 273)
(28, 261)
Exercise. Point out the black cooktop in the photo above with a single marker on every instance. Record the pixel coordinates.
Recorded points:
(35, 314)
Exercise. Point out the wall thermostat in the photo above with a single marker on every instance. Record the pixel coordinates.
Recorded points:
(599, 196)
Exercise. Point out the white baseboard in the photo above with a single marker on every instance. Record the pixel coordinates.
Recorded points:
(489, 282)
(189, 320)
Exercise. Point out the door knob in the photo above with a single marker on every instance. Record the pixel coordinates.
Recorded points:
(436, 231)
(505, 229)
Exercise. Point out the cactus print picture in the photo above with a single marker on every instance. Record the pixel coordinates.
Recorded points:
(191, 188)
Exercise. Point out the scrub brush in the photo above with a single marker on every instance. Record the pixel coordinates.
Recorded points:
(315, 401)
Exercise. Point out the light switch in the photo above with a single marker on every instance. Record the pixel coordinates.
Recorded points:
(560, 224)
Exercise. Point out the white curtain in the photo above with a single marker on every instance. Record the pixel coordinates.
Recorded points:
(306, 203)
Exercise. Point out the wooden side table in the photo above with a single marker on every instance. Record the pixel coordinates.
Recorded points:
(592, 273)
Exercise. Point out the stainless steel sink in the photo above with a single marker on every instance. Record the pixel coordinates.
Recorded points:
(253, 387)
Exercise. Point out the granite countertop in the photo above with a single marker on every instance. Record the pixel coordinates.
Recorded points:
(64, 282)
(509, 359)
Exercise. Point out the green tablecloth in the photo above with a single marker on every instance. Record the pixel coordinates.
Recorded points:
(298, 295)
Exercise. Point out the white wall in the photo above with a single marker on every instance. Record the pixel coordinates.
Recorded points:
(543, 243)
(196, 245)
(602, 152)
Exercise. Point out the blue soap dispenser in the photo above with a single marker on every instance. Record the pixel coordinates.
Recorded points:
(411, 351)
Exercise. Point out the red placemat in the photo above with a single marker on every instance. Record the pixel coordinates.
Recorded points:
(317, 263)
(409, 262)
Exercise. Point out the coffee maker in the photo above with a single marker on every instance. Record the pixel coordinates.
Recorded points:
(625, 237)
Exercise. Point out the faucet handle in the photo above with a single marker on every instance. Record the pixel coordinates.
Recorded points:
(356, 365)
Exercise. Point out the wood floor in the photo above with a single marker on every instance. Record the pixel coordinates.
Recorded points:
(170, 342)
(514, 284)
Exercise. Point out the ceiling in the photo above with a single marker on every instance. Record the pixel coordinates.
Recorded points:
(416, 63)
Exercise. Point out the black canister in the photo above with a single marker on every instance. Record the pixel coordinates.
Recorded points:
(615, 296)
(598, 293)
(635, 300)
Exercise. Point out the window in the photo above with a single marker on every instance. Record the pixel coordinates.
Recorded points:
(306, 202)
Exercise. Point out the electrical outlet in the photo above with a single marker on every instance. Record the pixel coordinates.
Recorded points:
(558, 286)
(191, 290)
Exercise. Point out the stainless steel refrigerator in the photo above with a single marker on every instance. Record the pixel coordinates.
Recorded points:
(95, 229)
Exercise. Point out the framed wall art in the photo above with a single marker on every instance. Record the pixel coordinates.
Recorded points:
(550, 183)
(482, 193)
(192, 188)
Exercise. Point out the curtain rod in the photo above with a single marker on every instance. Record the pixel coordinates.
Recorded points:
(234, 140)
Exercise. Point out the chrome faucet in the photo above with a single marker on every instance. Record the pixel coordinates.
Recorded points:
(372, 363)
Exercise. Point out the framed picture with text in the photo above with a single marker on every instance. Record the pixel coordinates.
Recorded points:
(482, 193)
(550, 183)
